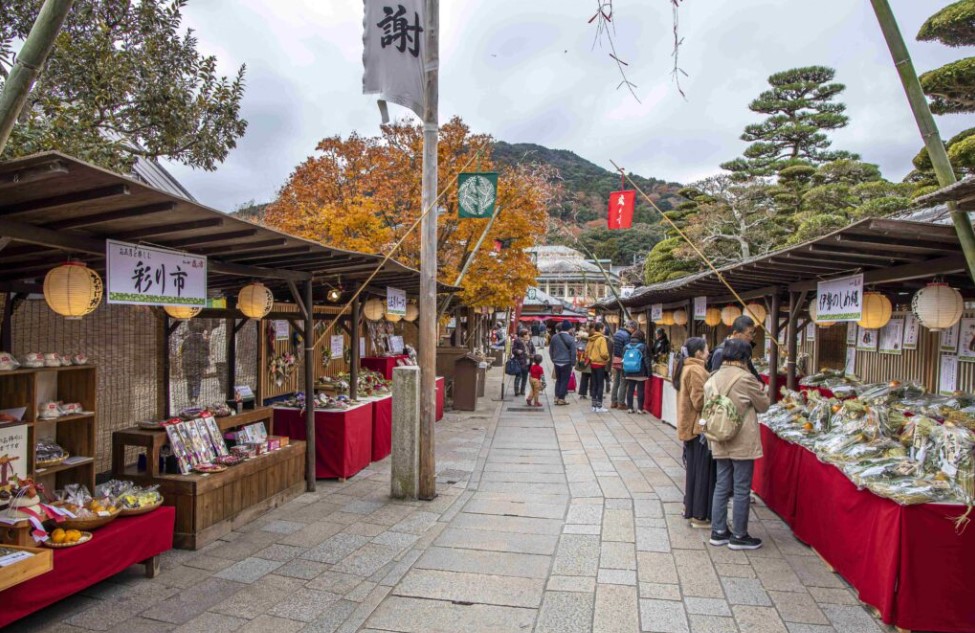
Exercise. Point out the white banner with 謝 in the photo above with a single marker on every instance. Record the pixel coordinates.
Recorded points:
(144, 275)
(395, 301)
(700, 308)
(393, 41)
(656, 312)
(840, 299)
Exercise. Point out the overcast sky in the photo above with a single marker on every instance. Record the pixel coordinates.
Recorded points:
(525, 71)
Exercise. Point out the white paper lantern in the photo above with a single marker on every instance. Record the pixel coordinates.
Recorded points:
(182, 313)
(373, 309)
(729, 314)
(876, 311)
(757, 312)
(612, 319)
(412, 312)
(73, 290)
(680, 317)
(937, 306)
(641, 318)
(712, 317)
(255, 300)
(812, 315)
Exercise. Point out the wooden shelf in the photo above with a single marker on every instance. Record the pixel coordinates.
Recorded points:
(69, 418)
(38, 370)
(44, 472)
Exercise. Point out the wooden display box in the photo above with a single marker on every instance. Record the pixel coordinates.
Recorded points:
(40, 563)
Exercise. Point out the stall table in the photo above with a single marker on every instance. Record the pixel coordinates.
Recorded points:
(382, 364)
(906, 561)
(124, 542)
(382, 427)
(343, 438)
(660, 399)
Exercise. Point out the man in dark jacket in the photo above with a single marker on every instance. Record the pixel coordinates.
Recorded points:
(620, 340)
(562, 350)
(743, 329)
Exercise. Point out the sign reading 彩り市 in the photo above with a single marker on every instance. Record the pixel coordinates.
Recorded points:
(840, 299)
(395, 301)
(145, 275)
(477, 194)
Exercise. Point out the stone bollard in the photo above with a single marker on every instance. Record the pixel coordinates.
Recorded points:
(405, 480)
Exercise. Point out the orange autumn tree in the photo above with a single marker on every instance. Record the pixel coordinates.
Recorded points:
(363, 193)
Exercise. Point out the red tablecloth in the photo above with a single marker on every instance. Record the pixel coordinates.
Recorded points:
(382, 428)
(907, 561)
(441, 394)
(653, 401)
(776, 475)
(343, 439)
(122, 543)
(382, 364)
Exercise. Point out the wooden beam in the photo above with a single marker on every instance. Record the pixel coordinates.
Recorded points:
(919, 246)
(952, 264)
(297, 297)
(941, 233)
(241, 248)
(846, 253)
(165, 229)
(65, 200)
(35, 173)
(208, 238)
(110, 216)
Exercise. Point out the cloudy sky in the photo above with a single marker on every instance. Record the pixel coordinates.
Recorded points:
(526, 71)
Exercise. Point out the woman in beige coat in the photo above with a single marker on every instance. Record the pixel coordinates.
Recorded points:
(735, 458)
(689, 378)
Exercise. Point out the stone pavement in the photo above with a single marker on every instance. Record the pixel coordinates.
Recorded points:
(551, 520)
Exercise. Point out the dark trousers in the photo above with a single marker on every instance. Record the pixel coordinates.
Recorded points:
(597, 386)
(734, 479)
(562, 373)
(638, 386)
(584, 377)
(700, 479)
(521, 381)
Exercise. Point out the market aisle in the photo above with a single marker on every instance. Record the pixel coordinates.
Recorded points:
(552, 520)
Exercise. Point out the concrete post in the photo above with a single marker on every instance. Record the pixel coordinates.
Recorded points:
(405, 480)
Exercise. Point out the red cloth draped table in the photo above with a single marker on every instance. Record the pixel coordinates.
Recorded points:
(441, 393)
(382, 428)
(343, 439)
(907, 561)
(124, 542)
(653, 402)
(381, 364)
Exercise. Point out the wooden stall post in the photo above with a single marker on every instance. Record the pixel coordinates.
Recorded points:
(691, 323)
(796, 299)
(354, 352)
(230, 336)
(309, 342)
(773, 361)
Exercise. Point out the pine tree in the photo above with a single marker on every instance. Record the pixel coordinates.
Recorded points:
(801, 108)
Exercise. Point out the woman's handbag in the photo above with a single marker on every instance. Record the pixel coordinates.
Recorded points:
(512, 367)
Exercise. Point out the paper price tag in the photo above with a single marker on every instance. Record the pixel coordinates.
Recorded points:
(104, 513)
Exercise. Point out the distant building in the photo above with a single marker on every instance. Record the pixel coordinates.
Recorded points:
(565, 273)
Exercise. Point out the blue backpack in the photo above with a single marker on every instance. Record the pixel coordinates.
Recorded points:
(633, 359)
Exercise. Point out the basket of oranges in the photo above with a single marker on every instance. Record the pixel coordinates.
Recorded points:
(92, 515)
(61, 538)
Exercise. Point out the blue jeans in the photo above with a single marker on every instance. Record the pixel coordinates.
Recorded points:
(734, 477)
(521, 381)
(562, 373)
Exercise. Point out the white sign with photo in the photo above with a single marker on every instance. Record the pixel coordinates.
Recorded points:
(868, 340)
(700, 308)
(966, 341)
(851, 333)
(851, 360)
(949, 339)
(282, 330)
(144, 275)
(395, 301)
(840, 299)
(656, 312)
(13, 452)
(911, 330)
(810, 332)
(948, 381)
(337, 346)
(892, 337)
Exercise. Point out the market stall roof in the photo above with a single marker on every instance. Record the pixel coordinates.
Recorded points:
(962, 192)
(885, 251)
(52, 205)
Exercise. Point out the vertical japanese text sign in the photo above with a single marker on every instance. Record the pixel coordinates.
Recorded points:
(840, 299)
(700, 308)
(621, 209)
(145, 275)
(393, 40)
(477, 193)
(395, 301)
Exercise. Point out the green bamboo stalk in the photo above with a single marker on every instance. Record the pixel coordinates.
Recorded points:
(38, 45)
(926, 125)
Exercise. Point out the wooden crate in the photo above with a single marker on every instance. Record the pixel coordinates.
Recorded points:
(40, 563)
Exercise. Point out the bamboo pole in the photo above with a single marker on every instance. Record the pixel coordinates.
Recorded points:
(428, 257)
(926, 125)
(34, 53)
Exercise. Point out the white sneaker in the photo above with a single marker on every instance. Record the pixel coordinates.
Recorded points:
(600, 410)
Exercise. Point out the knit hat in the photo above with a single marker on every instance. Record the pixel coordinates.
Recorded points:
(566, 326)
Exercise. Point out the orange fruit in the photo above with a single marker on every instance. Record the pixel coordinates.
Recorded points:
(73, 536)
(58, 536)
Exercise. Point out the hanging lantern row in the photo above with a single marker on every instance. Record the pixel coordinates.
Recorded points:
(813, 310)
(612, 319)
(73, 290)
(641, 318)
(412, 312)
(729, 314)
(255, 300)
(666, 318)
(937, 306)
(876, 311)
(680, 317)
(712, 317)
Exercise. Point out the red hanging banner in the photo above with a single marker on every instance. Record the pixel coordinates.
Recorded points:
(621, 209)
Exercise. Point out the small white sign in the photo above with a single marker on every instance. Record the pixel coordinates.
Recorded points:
(851, 360)
(626, 291)
(892, 337)
(911, 330)
(362, 346)
(337, 345)
(852, 333)
(840, 299)
(13, 447)
(656, 312)
(395, 301)
(396, 344)
(282, 329)
(868, 340)
(949, 338)
(143, 275)
(948, 381)
(810, 332)
(966, 342)
(700, 308)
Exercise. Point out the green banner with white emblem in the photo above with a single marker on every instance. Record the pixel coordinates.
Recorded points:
(477, 194)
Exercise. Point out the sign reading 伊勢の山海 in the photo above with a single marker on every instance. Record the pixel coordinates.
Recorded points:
(144, 275)
(840, 299)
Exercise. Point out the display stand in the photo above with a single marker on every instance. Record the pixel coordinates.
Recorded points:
(124, 542)
(382, 427)
(343, 438)
(382, 364)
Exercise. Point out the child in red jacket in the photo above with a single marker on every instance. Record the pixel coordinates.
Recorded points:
(536, 378)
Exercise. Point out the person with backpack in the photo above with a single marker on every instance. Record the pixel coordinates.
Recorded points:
(597, 353)
(637, 366)
(582, 363)
(620, 340)
(690, 374)
(733, 398)
(562, 351)
(523, 350)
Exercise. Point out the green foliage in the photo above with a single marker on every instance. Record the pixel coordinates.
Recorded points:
(800, 108)
(621, 246)
(951, 88)
(663, 265)
(124, 81)
(952, 26)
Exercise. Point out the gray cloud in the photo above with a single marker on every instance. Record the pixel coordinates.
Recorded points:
(531, 74)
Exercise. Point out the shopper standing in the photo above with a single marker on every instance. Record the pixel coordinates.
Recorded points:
(597, 352)
(620, 341)
(536, 330)
(523, 350)
(735, 458)
(689, 378)
(562, 351)
(636, 370)
(582, 364)
(743, 329)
